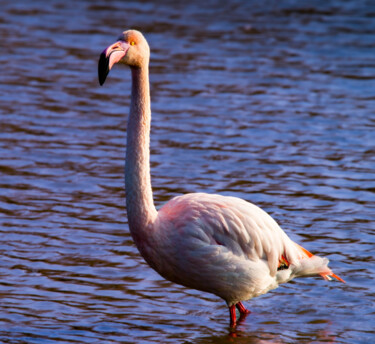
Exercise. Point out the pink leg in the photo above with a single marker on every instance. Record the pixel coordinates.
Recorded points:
(232, 312)
(242, 309)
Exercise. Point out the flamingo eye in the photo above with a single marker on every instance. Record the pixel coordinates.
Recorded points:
(132, 43)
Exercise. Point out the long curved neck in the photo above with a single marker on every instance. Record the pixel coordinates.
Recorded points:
(139, 202)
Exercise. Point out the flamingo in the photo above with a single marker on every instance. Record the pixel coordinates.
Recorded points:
(217, 244)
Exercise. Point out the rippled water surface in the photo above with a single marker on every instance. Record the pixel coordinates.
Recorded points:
(269, 101)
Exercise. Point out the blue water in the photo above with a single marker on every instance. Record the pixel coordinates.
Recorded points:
(268, 101)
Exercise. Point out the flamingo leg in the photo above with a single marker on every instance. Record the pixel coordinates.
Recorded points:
(232, 312)
(242, 309)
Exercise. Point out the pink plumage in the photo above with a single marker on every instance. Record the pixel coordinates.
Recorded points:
(217, 244)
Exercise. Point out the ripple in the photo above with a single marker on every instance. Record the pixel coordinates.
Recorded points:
(270, 104)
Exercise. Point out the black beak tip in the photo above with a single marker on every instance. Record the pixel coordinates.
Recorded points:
(103, 68)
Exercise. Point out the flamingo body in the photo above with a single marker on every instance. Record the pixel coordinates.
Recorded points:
(217, 244)
(223, 245)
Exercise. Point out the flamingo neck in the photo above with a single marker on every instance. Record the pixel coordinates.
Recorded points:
(139, 201)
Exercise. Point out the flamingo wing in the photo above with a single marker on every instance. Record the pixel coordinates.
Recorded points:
(241, 227)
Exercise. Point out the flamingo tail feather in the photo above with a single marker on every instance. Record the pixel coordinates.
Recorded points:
(329, 275)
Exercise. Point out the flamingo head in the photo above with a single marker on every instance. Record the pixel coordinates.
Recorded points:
(131, 49)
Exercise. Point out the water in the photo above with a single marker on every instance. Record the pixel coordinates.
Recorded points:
(270, 102)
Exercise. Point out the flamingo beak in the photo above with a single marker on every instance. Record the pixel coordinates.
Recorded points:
(111, 55)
